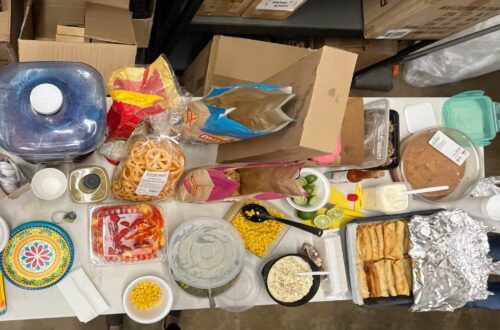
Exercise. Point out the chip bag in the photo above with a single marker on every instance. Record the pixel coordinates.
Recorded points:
(235, 113)
(236, 182)
(137, 94)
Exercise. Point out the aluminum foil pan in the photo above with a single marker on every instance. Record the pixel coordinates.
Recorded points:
(451, 262)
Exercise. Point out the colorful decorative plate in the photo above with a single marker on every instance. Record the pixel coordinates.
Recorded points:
(38, 255)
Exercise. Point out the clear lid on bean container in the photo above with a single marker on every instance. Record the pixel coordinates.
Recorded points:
(126, 233)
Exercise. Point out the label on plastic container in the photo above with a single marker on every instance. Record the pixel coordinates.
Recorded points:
(282, 5)
(152, 183)
(449, 148)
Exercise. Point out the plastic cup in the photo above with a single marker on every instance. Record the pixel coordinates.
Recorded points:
(49, 184)
(482, 207)
(388, 198)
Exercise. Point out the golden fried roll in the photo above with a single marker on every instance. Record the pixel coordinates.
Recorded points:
(379, 230)
(389, 239)
(400, 239)
(400, 282)
(374, 243)
(366, 243)
(362, 281)
(407, 266)
(406, 242)
(381, 277)
(372, 280)
(391, 288)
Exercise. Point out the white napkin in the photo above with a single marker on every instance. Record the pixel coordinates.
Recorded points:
(82, 296)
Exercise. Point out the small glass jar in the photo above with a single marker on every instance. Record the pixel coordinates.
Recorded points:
(88, 184)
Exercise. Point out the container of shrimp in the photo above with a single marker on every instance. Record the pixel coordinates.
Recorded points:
(260, 238)
(126, 233)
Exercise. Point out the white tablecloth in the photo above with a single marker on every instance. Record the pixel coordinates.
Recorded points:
(112, 280)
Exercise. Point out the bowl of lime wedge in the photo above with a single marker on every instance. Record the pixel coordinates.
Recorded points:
(317, 191)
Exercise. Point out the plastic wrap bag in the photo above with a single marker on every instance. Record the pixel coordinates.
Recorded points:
(468, 59)
(137, 94)
(152, 165)
(235, 113)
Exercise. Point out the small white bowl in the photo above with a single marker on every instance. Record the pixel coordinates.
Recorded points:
(4, 233)
(155, 314)
(323, 190)
(49, 184)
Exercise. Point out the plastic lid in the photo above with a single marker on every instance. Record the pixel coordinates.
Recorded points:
(91, 181)
(46, 99)
(492, 207)
(474, 114)
(206, 253)
(244, 293)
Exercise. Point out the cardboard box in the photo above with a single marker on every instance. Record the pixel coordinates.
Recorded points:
(321, 80)
(71, 33)
(143, 26)
(416, 19)
(369, 51)
(109, 28)
(5, 16)
(273, 9)
(228, 61)
(7, 54)
(223, 7)
(352, 137)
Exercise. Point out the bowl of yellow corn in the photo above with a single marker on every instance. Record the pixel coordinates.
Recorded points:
(259, 238)
(147, 299)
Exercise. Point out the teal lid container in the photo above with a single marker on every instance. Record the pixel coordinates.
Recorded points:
(475, 114)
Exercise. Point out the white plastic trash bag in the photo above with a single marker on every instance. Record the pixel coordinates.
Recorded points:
(466, 60)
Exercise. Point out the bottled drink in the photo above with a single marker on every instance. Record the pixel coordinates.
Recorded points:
(353, 176)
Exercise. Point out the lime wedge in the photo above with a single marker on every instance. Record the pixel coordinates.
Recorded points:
(335, 213)
(306, 215)
(301, 181)
(314, 200)
(322, 221)
(301, 200)
(311, 178)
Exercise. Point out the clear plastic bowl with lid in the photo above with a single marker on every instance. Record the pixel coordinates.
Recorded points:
(205, 254)
(423, 165)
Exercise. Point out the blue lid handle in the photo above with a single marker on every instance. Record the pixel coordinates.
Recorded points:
(496, 106)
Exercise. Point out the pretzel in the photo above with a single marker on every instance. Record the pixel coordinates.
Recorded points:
(151, 156)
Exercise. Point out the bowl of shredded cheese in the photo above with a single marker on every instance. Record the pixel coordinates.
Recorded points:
(147, 299)
(287, 288)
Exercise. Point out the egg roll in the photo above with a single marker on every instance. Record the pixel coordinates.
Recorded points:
(374, 243)
(397, 253)
(379, 230)
(366, 243)
(391, 288)
(407, 266)
(372, 280)
(381, 277)
(400, 282)
(362, 281)
(406, 242)
(389, 238)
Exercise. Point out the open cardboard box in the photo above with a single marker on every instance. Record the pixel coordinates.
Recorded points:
(109, 28)
(143, 26)
(320, 78)
(10, 22)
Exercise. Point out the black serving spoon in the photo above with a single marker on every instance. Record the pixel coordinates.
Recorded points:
(258, 213)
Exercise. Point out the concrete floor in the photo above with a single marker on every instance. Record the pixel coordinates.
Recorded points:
(328, 315)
